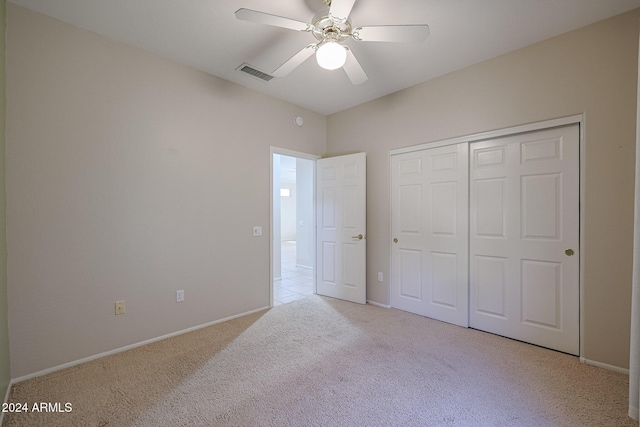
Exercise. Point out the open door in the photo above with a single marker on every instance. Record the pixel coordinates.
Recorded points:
(341, 227)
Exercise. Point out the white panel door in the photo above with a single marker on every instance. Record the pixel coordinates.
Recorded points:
(341, 222)
(429, 221)
(524, 237)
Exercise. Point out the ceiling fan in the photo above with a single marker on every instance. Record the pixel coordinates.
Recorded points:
(331, 27)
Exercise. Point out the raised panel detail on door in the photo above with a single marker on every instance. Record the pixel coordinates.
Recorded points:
(410, 167)
(490, 212)
(429, 274)
(329, 262)
(328, 173)
(443, 206)
(541, 290)
(525, 214)
(489, 157)
(443, 273)
(491, 281)
(350, 211)
(352, 260)
(410, 208)
(410, 274)
(328, 208)
(444, 162)
(541, 211)
(541, 149)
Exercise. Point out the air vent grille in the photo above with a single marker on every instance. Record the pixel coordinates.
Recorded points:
(246, 68)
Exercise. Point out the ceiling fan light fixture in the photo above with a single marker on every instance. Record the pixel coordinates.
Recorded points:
(331, 55)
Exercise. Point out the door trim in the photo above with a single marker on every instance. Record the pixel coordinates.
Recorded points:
(581, 121)
(570, 120)
(291, 153)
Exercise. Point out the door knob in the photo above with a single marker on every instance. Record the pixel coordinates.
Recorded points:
(569, 252)
(395, 240)
(359, 237)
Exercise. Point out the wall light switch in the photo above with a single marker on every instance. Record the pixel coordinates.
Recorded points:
(180, 295)
(257, 231)
(119, 307)
(380, 277)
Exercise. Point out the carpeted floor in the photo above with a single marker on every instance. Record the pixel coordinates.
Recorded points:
(326, 362)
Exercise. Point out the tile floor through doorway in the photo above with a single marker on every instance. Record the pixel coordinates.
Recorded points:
(296, 282)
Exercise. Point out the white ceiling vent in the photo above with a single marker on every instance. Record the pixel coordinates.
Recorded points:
(246, 68)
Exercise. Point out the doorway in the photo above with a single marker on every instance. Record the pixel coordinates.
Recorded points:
(293, 226)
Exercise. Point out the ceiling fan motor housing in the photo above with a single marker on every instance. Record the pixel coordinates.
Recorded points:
(327, 29)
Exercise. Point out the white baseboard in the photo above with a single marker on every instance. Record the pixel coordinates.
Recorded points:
(6, 400)
(634, 413)
(604, 365)
(129, 347)
(377, 304)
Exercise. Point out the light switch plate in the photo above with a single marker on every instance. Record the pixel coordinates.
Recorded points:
(180, 295)
(257, 231)
(120, 307)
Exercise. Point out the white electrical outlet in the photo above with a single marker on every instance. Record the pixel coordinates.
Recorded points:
(180, 295)
(380, 277)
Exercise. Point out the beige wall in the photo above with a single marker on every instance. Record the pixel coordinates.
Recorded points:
(593, 71)
(4, 332)
(129, 177)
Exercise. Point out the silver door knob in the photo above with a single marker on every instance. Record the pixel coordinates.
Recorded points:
(359, 237)
(569, 252)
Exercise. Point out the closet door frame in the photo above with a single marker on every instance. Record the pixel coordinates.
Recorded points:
(579, 119)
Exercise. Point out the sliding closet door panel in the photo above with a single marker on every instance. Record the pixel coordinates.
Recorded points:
(409, 172)
(524, 237)
(430, 230)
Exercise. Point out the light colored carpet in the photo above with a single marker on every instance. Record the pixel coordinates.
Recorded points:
(326, 362)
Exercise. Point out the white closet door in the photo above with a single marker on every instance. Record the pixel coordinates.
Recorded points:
(429, 197)
(524, 237)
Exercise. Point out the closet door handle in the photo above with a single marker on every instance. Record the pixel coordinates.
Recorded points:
(395, 240)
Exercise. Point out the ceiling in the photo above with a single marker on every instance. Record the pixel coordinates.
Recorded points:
(204, 34)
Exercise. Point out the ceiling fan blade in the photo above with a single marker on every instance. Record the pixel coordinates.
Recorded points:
(295, 61)
(353, 69)
(392, 33)
(274, 20)
(340, 9)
